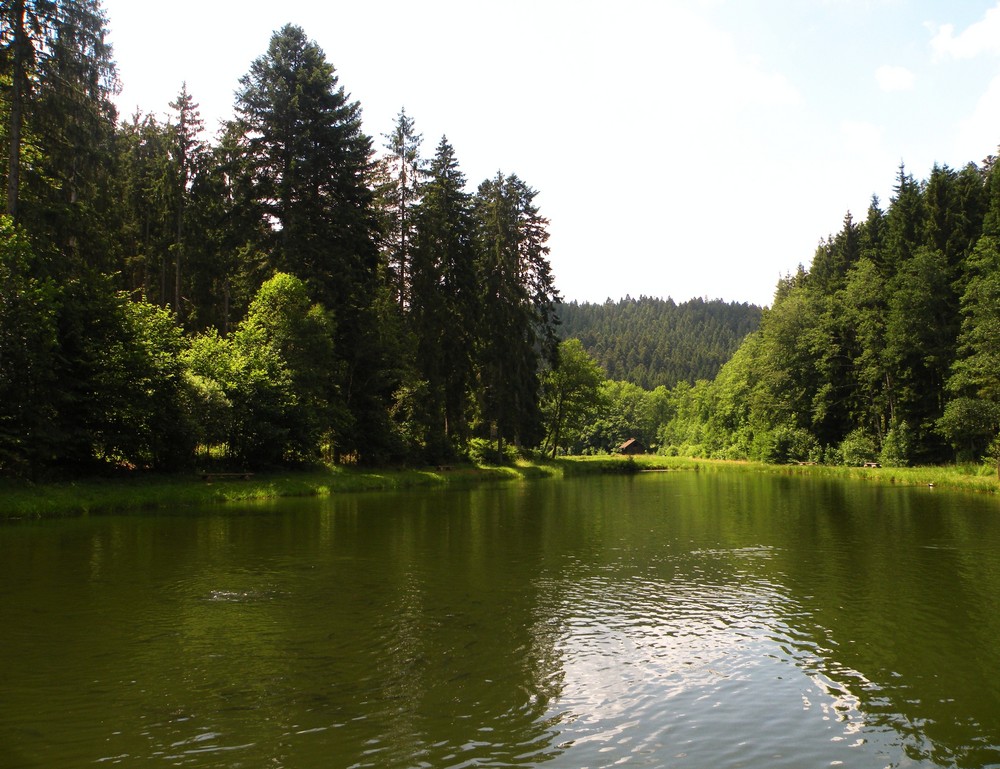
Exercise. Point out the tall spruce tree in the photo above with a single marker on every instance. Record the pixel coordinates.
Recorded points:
(403, 175)
(145, 226)
(306, 167)
(905, 225)
(518, 299)
(307, 160)
(187, 155)
(63, 80)
(443, 307)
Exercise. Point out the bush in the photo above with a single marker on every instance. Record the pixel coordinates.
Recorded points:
(857, 448)
(896, 446)
(784, 443)
(484, 452)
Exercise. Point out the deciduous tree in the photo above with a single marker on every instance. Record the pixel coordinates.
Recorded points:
(570, 394)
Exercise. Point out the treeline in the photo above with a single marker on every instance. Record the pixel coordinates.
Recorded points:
(652, 342)
(280, 293)
(886, 349)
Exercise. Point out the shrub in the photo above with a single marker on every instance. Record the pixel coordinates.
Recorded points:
(484, 451)
(858, 447)
(896, 446)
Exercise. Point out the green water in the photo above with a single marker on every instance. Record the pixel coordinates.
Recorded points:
(695, 620)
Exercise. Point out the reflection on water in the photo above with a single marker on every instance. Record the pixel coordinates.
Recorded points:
(669, 620)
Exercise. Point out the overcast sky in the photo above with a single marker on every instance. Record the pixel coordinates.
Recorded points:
(680, 148)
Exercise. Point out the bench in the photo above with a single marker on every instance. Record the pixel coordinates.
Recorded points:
(872, 464)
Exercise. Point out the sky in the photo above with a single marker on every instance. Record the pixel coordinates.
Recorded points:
(681, 148)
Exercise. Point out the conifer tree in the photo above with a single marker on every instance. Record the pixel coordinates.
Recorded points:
(404, 172)
(306, 160)
(443, 307)
(144, 231)
(63, 79)
(905, 225)
(305, 166)
(187, 155)
(518, 299)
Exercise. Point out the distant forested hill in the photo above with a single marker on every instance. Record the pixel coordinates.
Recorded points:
(653, 342)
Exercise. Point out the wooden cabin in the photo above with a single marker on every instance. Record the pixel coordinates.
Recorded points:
(631, 447)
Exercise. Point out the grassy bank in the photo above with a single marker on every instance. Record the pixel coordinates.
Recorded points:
(971, 477)
(144, 492)
(147, 492)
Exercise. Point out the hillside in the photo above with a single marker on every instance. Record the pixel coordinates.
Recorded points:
(652, 342)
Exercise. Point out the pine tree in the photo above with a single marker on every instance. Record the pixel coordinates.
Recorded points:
(63, 79)
(305, 166)
(306, 161)
(905, 224)
(404, 172)
(976, 372)
(518, 298)
(187, 155)
(144, 226)
(443, 307)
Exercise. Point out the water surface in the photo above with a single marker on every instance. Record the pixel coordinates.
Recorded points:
(712, 619)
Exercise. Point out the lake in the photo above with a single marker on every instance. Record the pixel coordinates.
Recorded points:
(681, 619)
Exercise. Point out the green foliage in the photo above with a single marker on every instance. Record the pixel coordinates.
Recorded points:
(399, 191)
(976, 371)
(857, 448)
(517, 298)
(884, 349)
(897, 446)
(271, 387)
(122, 398)
(570, 394)
(683, 427)
(484, 451)
(375, 310)
(301, 165)
(443, 312)
(784, 443)
(624, 411)
(969, 425)
(209, 409)
(28, 357)
(652, 342)
(59, 184)
(302, 149)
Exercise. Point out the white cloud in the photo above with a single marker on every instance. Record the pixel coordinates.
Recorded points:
(860, 136)
(768, 88)
(977, 134)
(894, 78)
(981, 37)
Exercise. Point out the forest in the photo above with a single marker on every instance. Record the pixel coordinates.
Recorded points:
(281, 294)
(887, 348)
(294, 291)
(652, 342)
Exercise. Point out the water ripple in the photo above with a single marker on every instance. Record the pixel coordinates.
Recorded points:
(655, 670)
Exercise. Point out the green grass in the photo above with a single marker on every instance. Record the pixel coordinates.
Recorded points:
(20, 499)
(147, 492)
(968, 477)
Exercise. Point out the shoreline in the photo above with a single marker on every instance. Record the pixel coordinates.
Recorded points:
(20, 500)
